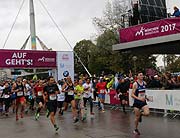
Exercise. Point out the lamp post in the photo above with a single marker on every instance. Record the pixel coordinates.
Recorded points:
(134, 59)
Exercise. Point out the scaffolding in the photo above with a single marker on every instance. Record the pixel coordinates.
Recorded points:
(151, 10)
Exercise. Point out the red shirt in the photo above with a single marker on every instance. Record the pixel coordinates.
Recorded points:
(101, 86)
(38, 90)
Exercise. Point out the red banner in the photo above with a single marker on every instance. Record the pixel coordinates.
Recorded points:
(27, 59)
(150, 30)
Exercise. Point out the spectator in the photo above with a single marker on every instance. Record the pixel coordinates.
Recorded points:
(176, 12)
(155, 82)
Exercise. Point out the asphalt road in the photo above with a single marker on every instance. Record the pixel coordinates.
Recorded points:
(111, 124)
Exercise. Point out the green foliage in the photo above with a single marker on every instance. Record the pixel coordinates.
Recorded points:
(173, 63)
(83, 49)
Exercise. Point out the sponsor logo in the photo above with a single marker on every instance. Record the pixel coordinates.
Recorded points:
(169, 99)
(43, 59)
(65, 57)
(147, 31)
(62, 65)
(141, 32)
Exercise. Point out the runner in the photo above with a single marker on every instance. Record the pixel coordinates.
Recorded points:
(1, 97)
(68, 88)
(88, 95)
(139, 95)
(28, 96)
(50, 92)
(101, 86)
(38, 92)
(18, 88)
(79, 90)
(13, 98)
(60, 97)
(6, 95)
(95, 91)
(122, 90)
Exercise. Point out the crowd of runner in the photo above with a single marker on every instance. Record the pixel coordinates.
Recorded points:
(22, 95)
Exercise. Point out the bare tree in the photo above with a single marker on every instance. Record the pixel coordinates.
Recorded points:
(115, 16)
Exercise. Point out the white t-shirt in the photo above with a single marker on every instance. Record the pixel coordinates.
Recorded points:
(28, 88)
(61, 96)
(87, 93)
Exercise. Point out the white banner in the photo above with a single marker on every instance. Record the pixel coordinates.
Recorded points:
(161, 99)
(65, 62)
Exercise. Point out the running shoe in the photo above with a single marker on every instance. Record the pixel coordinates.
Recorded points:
(47, 113)
(56, 127)
(6, 114)
(76, 120)
(37, 116)
(26, 111)
(136, 131)
(84, 118)
(103, 111)
(92, 113)
(62, 112)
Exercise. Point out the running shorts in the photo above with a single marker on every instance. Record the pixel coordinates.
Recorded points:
(60, 104)
(52, 106)
(39, 100)
(139, 105)
(101, 96)
(20, 99)
(69, 98)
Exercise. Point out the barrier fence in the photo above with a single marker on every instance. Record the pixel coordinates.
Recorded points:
(163, 100)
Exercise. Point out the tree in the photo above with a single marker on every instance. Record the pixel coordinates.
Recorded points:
(114, 15)
(173, 63)
(83, 49)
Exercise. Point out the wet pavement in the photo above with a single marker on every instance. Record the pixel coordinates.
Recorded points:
(111, 124)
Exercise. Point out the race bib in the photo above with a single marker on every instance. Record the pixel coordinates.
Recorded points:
(71, 93)
(52, 97)
(19, 93)
(102, 91)
(61, 98)
(141, 95)
(40, 93)
(6, 96)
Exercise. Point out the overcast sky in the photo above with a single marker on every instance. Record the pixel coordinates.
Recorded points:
(73, 16)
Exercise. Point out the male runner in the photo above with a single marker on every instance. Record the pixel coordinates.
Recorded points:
(79, 90)
(101, 86)
(60, 97)
(50, 92)
(19, 89)
(1, 97)
(6, 95)
(38, 92)
(122, 90)
(139, 95)
(88, 95)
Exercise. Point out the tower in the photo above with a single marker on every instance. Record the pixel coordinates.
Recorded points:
(32, 25)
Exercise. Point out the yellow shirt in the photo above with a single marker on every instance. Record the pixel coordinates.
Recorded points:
(79, 91)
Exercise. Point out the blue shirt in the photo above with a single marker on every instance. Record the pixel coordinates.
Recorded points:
(140, 92)
(176, 13)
